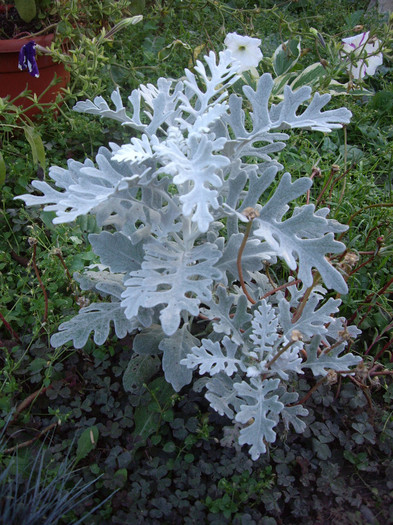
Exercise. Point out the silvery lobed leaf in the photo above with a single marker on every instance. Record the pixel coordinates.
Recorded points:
(173, 276)
(222, 395)
(100, 107)
(175, 349)
(213, 359)
(320, 361)
(86, 187)
(285, 240)
(253, 257)
(220, 312)
(200, 167)
(260, 413)
(290, 413)
(265, 328)
(98, 280)
(117, 251)
(94, 318)
(314, 318)
(221, 76)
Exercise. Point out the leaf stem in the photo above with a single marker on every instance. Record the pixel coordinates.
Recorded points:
(283, 349)
(239, 261)
(304, 300)
(9, 328)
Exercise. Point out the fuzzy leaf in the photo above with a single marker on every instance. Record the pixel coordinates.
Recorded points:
(94, 318)
(328, 360)
(221, 394)
(168, 276)
(260, 413)
(117, 251)
(147, 341)
(220, 311)
(212, 360)
(175, 348)
(302, 239)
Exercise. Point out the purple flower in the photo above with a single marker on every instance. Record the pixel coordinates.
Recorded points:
(27, 59)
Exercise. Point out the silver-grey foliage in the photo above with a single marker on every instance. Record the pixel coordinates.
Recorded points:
(199, 161)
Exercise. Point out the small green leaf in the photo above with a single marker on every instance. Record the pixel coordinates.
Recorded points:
(37, 364)
(168, 415)
(95, 469)
(169, 447)
(36, 144)
(156, 439)
(121, 477)
(86, 442)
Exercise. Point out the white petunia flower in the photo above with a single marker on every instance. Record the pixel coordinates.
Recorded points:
(245, 50)
(367, 51)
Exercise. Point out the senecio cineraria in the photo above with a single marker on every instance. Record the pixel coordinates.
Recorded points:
(192, 215)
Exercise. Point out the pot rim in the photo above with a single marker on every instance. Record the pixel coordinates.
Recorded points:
(13, 45)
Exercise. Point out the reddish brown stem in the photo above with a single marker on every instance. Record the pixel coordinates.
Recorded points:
(315, 171)
(333, 170)
(383, 372)
(60, 256)
(30, 441)
(370, 259)
(28, 401)
(282, 287)
(388, 345)
(303, 302)
(9, 328)
(337, 180)
(388, 327)
(309, 393)
(239, 262)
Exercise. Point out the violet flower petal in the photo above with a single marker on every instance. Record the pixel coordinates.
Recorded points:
(27, 59)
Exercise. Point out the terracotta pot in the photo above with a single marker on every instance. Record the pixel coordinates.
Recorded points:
(13, 81)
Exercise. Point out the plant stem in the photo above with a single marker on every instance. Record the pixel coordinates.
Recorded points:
(9, 328)
(30, 441)
(282, 287)
(283, 349)
(304, 300)
(239, 261)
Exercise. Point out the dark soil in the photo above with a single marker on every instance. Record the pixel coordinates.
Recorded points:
(12, 26)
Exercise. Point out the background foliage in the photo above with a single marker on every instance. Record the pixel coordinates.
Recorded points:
(163, 451)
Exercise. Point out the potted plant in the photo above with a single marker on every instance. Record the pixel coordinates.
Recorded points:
(22, 28)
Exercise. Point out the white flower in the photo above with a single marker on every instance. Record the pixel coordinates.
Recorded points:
(367, 51)
(245, 50)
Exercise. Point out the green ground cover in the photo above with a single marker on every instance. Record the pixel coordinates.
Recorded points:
(151, 455)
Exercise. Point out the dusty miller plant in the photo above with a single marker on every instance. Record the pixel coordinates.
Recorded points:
(185, 238)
